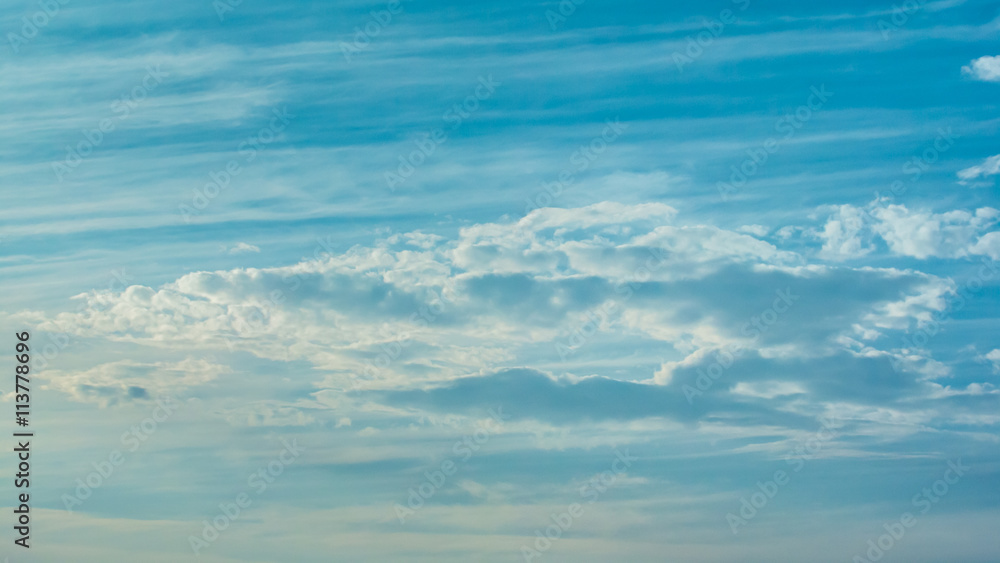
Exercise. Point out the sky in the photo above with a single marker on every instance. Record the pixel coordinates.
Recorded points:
(426, 281)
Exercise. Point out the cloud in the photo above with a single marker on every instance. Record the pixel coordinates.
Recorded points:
(841, 235)
(243, 248)
(498, 291)
(452, 309)
(850, 231)
(266, 413)
(529, 394)
(844, 376)
(989, 167)
(491, 311)
(993, 356)
(988, 245)
(925, 234)
(127, 380)
(986, 69)
(755, 230)
(750, 391)
(608, 240)
(418, 239)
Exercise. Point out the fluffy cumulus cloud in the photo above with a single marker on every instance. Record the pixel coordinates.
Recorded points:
(984, 68)
(850, 232)
(842, 235)
(424, 322)
(993, 356)
(925, 234)
(988, 245)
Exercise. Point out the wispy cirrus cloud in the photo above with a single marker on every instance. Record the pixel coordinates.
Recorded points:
(981, 172)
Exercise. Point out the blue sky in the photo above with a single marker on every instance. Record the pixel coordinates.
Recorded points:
(456, 276)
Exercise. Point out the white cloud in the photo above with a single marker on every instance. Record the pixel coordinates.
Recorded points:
(850, 231)
(924, 234)
(418, 239)
(988, 245)
(755, 230)
(984, 68)
(127, 380)
(993, 356)
(607, 240)
(841, 235)
(509, 294)
(243, 248)
(989, 167)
